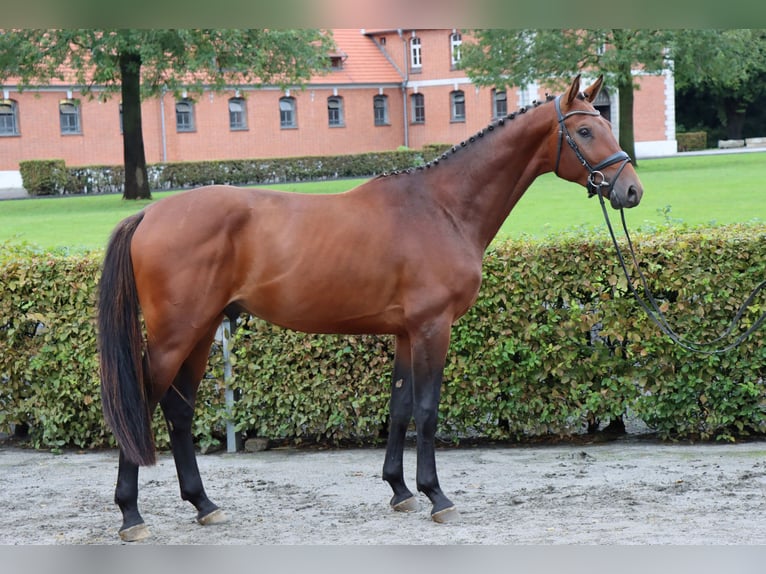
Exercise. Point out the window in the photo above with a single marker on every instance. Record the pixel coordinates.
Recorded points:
(499, 104)
(237, 114)
(185, 115)
(9, 119)
(335, 111)
(287, 113)
(380, 109)
(418, 108)
(416, 59)
(336, 62)
(455, 41)
(69, 117)
(457, 106)
(527, 94)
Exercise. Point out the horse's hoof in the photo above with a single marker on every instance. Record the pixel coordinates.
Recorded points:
(407, 505)
(218, 516)
(135, 533)
(446, 515)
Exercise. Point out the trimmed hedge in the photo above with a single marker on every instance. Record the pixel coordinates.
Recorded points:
(44, 177)
(554, 339)
(691, 141)
(48, 177)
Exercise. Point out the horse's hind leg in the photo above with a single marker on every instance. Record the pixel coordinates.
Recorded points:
(133, 527)
(401, 414)
(178, 407)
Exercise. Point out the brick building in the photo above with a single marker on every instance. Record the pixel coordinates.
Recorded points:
(385, 89)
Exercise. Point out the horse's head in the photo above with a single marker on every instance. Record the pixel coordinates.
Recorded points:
(588, 153)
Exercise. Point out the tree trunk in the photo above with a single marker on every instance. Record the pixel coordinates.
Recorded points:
(136, 180)
(735, 118)
(627, 137)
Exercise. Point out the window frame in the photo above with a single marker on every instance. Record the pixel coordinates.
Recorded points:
(416, 53)
(380, 110)
(13, 123)
(418, 106)
(286, 122)
(335, 115)
(455, 43)
(457, 106)
(496, 98)
(70, 122)
(241, 124)
(189, 126)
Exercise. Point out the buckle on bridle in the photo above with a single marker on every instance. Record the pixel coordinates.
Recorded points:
(597, 179)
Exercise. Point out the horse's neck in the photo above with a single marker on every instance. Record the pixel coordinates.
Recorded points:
(481, 186)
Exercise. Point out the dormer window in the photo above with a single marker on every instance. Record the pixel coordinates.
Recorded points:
(336, 61)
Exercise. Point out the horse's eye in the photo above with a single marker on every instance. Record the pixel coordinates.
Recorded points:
(584, 132)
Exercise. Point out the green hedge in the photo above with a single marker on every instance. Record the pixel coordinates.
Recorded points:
(691, 141)
(553, 339)
(47, 177)
(44, 177)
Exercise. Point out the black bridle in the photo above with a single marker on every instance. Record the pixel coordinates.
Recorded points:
(596, 178)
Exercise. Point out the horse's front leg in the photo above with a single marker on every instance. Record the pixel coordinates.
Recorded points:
(429, 351)
(400, 409)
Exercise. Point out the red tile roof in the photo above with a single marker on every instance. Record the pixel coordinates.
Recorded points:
(364, 62)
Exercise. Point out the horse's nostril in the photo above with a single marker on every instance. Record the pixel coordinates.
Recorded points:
(633, 196)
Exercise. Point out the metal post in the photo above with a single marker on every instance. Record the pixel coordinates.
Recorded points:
(232, 437)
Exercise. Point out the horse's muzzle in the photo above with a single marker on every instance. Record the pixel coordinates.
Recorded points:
(629, 197)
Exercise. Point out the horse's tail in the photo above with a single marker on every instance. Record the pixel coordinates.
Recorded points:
(124, 392)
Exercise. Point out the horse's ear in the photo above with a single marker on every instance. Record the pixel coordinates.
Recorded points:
(592, 91)
(573, 90)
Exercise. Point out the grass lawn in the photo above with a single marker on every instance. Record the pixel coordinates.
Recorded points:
(694, 190)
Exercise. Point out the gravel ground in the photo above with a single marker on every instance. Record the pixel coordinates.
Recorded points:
(632, 491)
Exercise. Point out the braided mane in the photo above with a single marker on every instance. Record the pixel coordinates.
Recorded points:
(500, 122)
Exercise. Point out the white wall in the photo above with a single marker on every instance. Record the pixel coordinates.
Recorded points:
(10, 180)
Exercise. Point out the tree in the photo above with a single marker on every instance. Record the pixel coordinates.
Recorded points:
(722, 73)
(550, 57)
(144, 63)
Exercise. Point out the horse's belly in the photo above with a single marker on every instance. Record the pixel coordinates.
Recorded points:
(318, 307)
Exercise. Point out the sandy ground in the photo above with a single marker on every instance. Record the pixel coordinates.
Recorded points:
(630, 491)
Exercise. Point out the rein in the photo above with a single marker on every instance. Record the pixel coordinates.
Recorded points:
(596, 183)
(653, 310)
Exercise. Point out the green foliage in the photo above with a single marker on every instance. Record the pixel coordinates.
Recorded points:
(554, 339)
(498, 57)
(691, 141)
(44, 176)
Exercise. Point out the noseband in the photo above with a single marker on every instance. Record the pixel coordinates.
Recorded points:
(596, 178)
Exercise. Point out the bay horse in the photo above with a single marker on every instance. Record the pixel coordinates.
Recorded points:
(399, 255)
